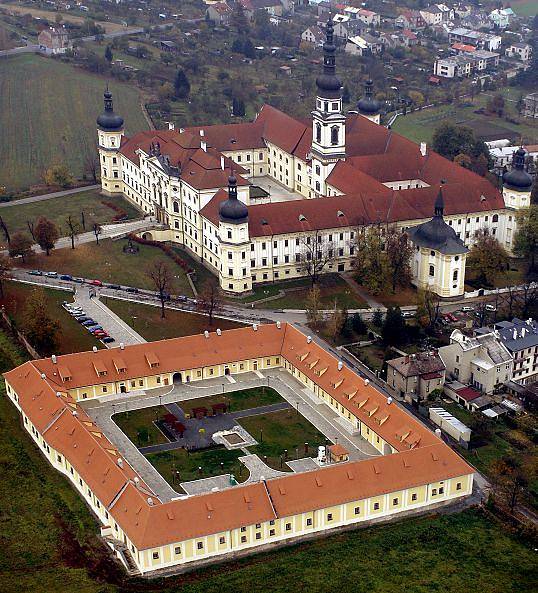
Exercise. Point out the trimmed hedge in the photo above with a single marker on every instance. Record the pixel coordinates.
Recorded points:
(166, 249)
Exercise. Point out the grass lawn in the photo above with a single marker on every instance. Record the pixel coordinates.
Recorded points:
(168, 463)
(109, 263)
(525, 7)
(47, 115)
(50, 544)
(138, 422)
(73, 337)
(332, 286)
(282, 430)
(58, 209)
(420, 125)
(402, 296)
(236, 400)
(146, 320)
(513, 277)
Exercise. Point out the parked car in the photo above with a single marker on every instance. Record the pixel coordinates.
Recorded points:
(452, 317)
(95, 283)
(96, 328)
(490, 307)
(408, 314)
(83, 319)
(131, 289)
(35, 273)
(108, 340)
(51, 274)
(78, 280)
(467, 308)
(66, 277)
(89, 322)
(113, 286)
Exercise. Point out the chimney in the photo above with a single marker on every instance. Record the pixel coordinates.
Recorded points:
(120, 462)
(171, 125)
(423, 148)
(366, 381)
(122, 346)
(222, 163)
(255, 327)
(219, 332)
(278, 325)
(340, 365)
(206, 334)
(308, 339)
(389, 400)
(54, 359)
(94, 348)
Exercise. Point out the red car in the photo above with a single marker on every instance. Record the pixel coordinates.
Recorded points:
(96, 283)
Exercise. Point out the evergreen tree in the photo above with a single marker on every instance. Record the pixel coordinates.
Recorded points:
(182, 86)
(346, 97)
(393, 331)
(108, 54)
(238, 107)
(248, 49)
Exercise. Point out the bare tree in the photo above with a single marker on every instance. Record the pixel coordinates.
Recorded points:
(161, 276)
(428, 308)
(208, 300)
(315, 255)
(97, 231)
(5, 268)
(529, 297)
(91, 163)
(73, 229)
(5, 230)
(481, 313)
(31, 227)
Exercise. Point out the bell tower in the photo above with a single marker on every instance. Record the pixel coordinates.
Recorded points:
(109, 133)
(328, 120)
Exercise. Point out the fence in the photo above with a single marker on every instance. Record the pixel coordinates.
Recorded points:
(20, 336)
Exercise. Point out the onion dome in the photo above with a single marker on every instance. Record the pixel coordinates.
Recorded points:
(328, 83)
(436, 234)
(368, 105)
(232, 209)
(108, 120)
(518, 179)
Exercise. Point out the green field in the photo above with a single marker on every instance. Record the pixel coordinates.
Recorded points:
(420, 125)
(72, 338)
(47, 116)
(243, 399)
(136, 422)
(146, 320)
(525, 7)
(90, 202)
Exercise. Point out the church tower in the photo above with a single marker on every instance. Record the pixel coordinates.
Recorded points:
(235, 276)
(368, 106)
(517, 183)
(110, 132)
(328, 119)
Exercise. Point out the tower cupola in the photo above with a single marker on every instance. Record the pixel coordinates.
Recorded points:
(518, 179)
(232, 210)
(329, 85)
(109, 121)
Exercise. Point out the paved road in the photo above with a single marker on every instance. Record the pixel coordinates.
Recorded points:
(42, 197)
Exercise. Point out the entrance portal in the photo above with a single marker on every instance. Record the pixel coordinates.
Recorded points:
(177, 378)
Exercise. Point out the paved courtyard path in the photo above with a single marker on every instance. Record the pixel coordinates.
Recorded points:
(50, 196)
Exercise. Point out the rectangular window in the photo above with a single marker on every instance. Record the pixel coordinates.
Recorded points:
(288, 526)
(413, 496)
(309, 521)
(243, 539)
(177, 550)
(376, 506)
(357, 510)
(329, 516)
(458, 486)
(155, 555)
(395, 502)
(222, 540)
(200, 545)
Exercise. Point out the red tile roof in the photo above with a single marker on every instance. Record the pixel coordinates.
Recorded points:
(468, 393)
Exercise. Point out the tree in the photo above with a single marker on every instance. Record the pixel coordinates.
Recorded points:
(46, 234)
(510, 478)
(399, 250)
(239, 19)
(208, 300)
(313, 307)
(463, 160)
(97, 230)
(370, 263)
(248, 49)
(526, 237)
(450, 140)
(182, 86)
(161, 276)
(496, 105)
(336, 322)
(238, 107)
(20, 246)
(5, 230)
(31, 228)
(91, 163)
(58, 175)
(166, 91)
(39, 327)
(377, 318)
(358, 325)
(487, 257)
(346, 96)
(5, 268)
(394, 331)
(108, 54)
(428, 308)
(315, 255)
(73, 229)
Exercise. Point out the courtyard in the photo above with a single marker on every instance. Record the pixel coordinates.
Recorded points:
(195, 437)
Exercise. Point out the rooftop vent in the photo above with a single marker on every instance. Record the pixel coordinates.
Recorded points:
(278, 325)
(308, 339)
(389, 400)
(302, 217)
(206, 334)
(136, 480)
(150, 501)
(122, 346)
(75, 413)
(340, 365)
(43, 376)
(219, 332)
(58, 394)
(366, 381)
(120, 461)
(54, 359)
(94, 348)
(255, 327)
(264, 222)
(340, 213)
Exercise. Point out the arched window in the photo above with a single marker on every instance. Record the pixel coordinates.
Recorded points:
(318, 132)
(432, 270)
(176, 207)
(455, 275)
(334, 135)
(495, 218)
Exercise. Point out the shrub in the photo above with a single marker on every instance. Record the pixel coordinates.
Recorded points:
(166, 249)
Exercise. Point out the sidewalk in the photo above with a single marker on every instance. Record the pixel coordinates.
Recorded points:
(51, 196)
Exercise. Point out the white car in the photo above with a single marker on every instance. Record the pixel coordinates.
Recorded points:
(467, 308)
(490, 307)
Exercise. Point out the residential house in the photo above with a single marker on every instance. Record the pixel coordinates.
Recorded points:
(364, 44)
(476, 38)
(53, 40)
(415, 376)
(501, 17)
(437, 14)
(219, 13)
(523, 51)
(468, 397)
(520, 338)
(372, 19)
(313, 35)
(410, 19)
(530, 105)
(408, 38)
(482, 361)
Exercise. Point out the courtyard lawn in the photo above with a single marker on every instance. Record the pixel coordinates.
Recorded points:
(333, 289)
(108, 262)
(139, 425)
(47, 116)
(72, 338)
(513, 277)
(146, 320)
(214, 462)
(372, 355)
(91, 203)
(236, 400)
(280, 431)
